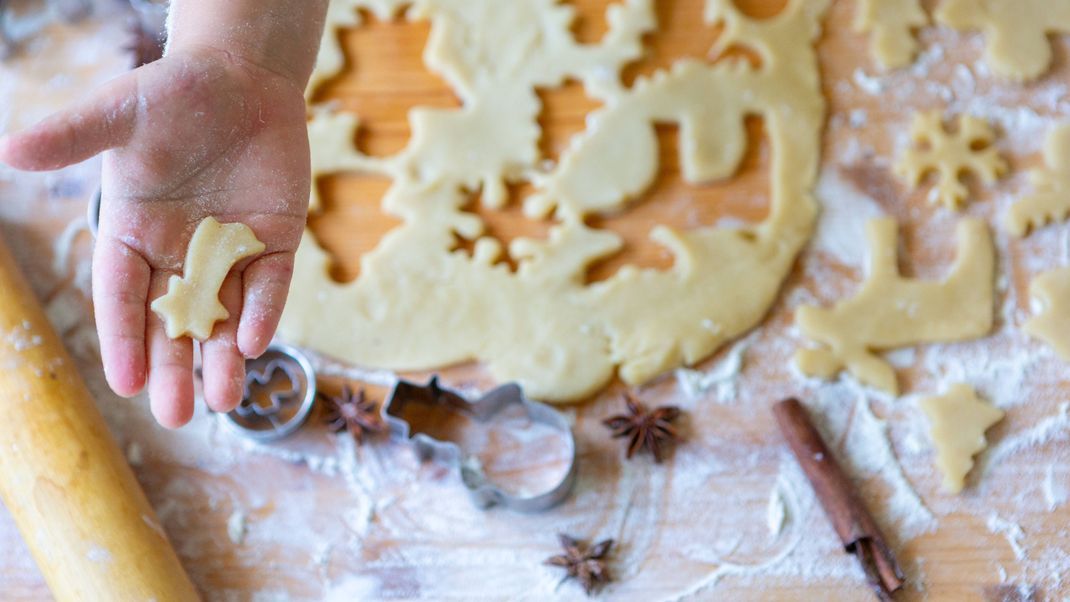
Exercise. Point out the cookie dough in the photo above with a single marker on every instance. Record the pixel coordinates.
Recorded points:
(890, 25)
(421, 303)
(891, 311)
(1016, 31)
(191, 305)
(1051, 290)
(951, 155)
(958, 420)
(1050, 201)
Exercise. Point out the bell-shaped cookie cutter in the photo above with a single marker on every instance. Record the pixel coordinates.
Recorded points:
(483, 492)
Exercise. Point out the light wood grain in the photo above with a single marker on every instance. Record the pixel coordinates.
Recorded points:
(384, 79)
(62, 477)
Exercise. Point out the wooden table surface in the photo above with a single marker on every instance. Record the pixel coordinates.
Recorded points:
(326, 520)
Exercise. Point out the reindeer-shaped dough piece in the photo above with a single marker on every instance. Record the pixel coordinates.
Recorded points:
(1050, 201)
(1017, 45)
(892, 311)
(191, 306)
(891, 25)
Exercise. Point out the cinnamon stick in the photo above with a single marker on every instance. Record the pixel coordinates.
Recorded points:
(853, 523)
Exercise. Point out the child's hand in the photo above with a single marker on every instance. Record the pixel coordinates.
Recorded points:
(201, 132)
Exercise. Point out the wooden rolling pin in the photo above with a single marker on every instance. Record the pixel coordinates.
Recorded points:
(74, 498)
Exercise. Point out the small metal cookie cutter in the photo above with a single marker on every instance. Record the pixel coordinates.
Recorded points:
(267, 414)
(93, 213)
(484, 493)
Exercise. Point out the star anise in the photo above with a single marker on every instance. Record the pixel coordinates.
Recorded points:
(586, 564)
(650, 429)
(353, 412)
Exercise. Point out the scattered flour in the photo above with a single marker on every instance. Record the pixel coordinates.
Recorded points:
(841, 232)
(776, 514)
(134, 455)
(22, 337)
(99, 555)
(387, 492)
(721, 378)
(237, 527)
(869, 448)
(1055, 493)
(1012, 532)
(1051, 429)
(870, 84)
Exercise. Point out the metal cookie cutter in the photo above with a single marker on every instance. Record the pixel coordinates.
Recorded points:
(484, 493)
(267, 413)
(93, 213)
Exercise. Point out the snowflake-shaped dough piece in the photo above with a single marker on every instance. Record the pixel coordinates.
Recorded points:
(1050, 201)
(958, 420)
(951, 154)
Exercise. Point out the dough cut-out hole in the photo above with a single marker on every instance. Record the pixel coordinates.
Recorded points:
(383, 79)
(590, 24)
(760, 9)
(743, 198)
(505, 224)
(682, 32)
(351, 222)
(564, 114)
(878, 183)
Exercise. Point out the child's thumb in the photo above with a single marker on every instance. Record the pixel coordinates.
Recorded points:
(104, 121)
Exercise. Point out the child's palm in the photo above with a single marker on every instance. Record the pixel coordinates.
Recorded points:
(195, 134)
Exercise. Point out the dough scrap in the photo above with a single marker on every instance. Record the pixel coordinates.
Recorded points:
(1050, 201)
(891, 311)
(421, 303)
(1016, 31)
(891, 25)
(958, 420)
(950, 155)
(191, 305)
(1052, 323)
(333, 151)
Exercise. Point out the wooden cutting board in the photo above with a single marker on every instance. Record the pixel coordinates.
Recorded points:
(714, 494)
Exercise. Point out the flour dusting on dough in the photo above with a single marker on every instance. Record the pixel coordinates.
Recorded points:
(419, 303)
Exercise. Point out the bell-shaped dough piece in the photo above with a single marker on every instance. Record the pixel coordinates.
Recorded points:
(191, 306)
(1016, 31)
(958, 420)
(892, 311)
(950, 155)
(1050, 201)
(1052, 323)
(891, 24)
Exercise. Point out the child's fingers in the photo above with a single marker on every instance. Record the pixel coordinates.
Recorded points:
(223, 364)
(105, 120)
(170, 366)
(120, 288)
(267, 283)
